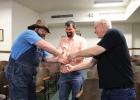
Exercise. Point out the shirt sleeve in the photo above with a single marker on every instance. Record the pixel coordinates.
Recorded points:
(45, 54)
(83, 44)
(60, 47)
(110, 40)
(32, 37)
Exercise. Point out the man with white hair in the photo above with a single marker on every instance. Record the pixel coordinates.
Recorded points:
(113, 63)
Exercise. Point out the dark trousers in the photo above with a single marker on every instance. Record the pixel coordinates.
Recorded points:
(21, 84)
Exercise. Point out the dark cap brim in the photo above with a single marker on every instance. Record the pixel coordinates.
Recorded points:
(45, 28)
(32, 27)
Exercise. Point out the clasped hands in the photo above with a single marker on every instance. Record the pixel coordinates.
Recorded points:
(65, 60)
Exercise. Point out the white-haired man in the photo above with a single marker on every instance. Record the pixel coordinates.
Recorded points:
(113, 63)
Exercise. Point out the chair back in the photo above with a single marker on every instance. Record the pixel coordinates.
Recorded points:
(3, 80)
(91, 90)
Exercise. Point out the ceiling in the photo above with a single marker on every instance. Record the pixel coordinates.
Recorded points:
(43, 6)
(135, 17)
(61, 5)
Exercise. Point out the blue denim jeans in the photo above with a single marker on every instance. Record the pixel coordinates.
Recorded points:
(66, 86)
(119, 94)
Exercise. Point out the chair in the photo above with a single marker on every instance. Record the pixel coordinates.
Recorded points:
(138, 91)
(90, 90)
(135, 59)
(53, 69)
(50, 84)
(46, 88)
(42, 72)
(137, 80)
(46, 79)
(3, 81)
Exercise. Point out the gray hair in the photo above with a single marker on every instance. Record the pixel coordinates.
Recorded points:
(105, 21)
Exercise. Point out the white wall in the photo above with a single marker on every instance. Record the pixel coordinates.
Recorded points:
(87, 31)
(136, 37)
(21, 18)
(83, 15)
(14, 18)
(56, 33)
(5, 24)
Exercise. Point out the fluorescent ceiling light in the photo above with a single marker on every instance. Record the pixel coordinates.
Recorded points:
(109, 4)
(108, 1)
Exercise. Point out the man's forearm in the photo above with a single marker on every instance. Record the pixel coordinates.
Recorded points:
(51, 60)
(48, 47)
(51, 49)
(90, 52)
(84, 65)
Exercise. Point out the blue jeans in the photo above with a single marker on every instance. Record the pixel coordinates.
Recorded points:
(66, 86)
(119, 94)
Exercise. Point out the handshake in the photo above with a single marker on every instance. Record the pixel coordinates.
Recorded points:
(65, 63)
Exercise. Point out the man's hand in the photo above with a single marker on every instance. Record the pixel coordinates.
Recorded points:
(66, 68)
(71, 56)
(63, 60)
